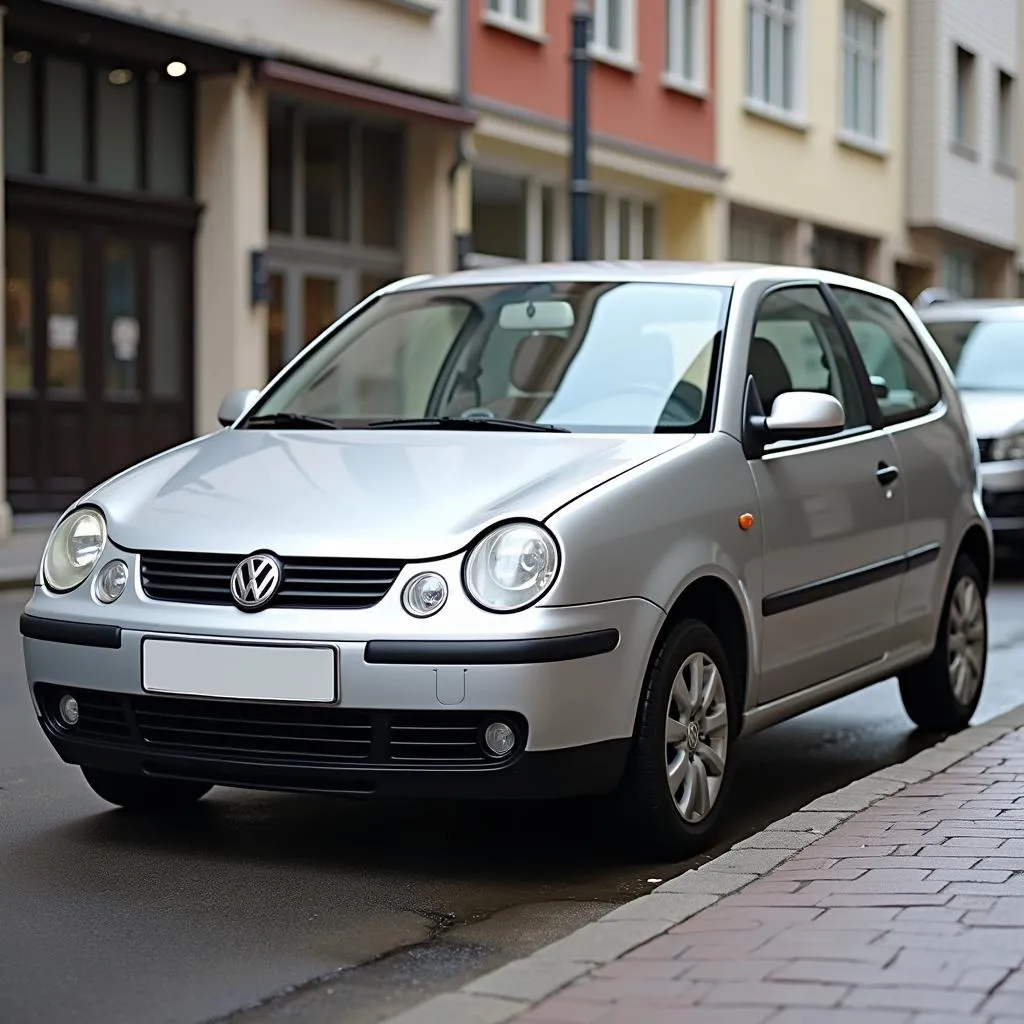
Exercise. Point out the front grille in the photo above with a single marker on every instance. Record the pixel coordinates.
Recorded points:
(305, 583)
(985, 448)
(322, 737)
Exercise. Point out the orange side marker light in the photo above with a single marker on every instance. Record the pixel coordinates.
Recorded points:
(746, 521)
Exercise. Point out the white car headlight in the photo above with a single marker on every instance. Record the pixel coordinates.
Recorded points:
(1006, 448)
(512, 567)
(73, 549)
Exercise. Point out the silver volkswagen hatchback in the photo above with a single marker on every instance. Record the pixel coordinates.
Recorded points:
(537, 531)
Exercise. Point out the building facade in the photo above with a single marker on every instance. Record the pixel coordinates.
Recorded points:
(656, 185)
(962, 186)
(810, 128)
(194, 189)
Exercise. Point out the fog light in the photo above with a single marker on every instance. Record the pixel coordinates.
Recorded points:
(67, 708)
(111, 581)
(499, 738)
(425, 594)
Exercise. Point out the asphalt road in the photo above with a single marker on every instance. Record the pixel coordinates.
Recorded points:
(265, 909)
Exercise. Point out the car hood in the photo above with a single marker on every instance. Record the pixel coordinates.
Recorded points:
(994, 413)
(385, 494)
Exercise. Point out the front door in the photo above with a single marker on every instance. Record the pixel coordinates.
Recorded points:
(833, 527)
(98, 351)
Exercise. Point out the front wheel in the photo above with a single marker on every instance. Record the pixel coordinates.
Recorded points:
(140, 793)
(942, 693)
(678, 779)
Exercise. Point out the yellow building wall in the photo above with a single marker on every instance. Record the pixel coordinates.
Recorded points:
(803, 169)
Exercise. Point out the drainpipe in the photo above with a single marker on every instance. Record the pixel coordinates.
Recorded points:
(579, 174)
(459, 174)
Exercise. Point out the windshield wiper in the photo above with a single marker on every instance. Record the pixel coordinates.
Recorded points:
(464, 423)
(298, 420)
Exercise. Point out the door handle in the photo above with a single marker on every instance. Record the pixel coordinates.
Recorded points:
(886, 475)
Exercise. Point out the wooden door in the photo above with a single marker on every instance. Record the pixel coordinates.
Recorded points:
(98, 350)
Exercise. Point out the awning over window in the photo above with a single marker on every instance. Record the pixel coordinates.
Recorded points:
(319, 85)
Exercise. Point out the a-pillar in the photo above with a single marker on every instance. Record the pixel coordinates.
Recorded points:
(231, 183)
(5, 508)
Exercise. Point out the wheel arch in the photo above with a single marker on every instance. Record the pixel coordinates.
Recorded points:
(712, 600)
(976, 545)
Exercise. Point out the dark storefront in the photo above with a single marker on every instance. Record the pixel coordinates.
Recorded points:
(101, 217)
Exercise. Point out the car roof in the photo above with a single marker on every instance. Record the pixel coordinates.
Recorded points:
(973, 309)
(724, 274)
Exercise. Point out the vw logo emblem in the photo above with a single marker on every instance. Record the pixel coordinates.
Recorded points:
(255, 581)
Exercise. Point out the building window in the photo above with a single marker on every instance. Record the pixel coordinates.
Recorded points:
(862, 71)
(515, 14)
(334, 209)
(963, 107)
(1006, 137)
(774, 60)
(841, 252)
(613, 29)
(684, 58)
(960, 274)
(123, 128)
(333, 180)
(517, 219)
(754, 238)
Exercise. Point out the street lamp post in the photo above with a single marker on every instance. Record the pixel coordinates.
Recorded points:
(579, 183)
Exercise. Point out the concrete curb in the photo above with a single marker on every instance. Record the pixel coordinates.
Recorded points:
(511, 990)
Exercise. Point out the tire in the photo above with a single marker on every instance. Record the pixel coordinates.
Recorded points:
(646, 795)
(139, 793)
(936, 696)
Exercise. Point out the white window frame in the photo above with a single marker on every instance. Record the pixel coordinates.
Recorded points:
(765, 12)
(613, 199)
(625, 56)
(502, 14)
(677, 43)
(561, 241)
(854, 49)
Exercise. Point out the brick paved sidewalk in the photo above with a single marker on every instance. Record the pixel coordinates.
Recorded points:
(909, 911)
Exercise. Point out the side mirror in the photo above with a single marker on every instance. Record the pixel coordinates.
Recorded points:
(797, 415)
(880, 386)
(794, 416)
(234, 404)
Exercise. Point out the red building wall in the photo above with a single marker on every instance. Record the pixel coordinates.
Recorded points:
(633, 105)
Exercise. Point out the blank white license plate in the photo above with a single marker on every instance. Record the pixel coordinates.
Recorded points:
(240, 671)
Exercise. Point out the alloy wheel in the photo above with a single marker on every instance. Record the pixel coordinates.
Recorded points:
(966, 645)
(696, 737)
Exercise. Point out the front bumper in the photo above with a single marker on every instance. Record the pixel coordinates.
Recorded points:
(1002, 495)
(435, 754)
(410, 710)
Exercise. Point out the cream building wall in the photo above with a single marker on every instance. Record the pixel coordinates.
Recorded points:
(800, 164)
(408, 43)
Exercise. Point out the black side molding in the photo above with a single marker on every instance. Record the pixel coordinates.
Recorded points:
(82, 634)
(491, 652)
(833, 586)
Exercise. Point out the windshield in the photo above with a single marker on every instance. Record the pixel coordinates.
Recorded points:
(596, 357)
(986, 355)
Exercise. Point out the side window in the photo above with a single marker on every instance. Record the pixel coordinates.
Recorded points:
(797, 346)
(904, 381)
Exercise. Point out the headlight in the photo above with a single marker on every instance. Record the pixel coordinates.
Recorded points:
(1006, 448)
(511, 567)
(73, 549)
